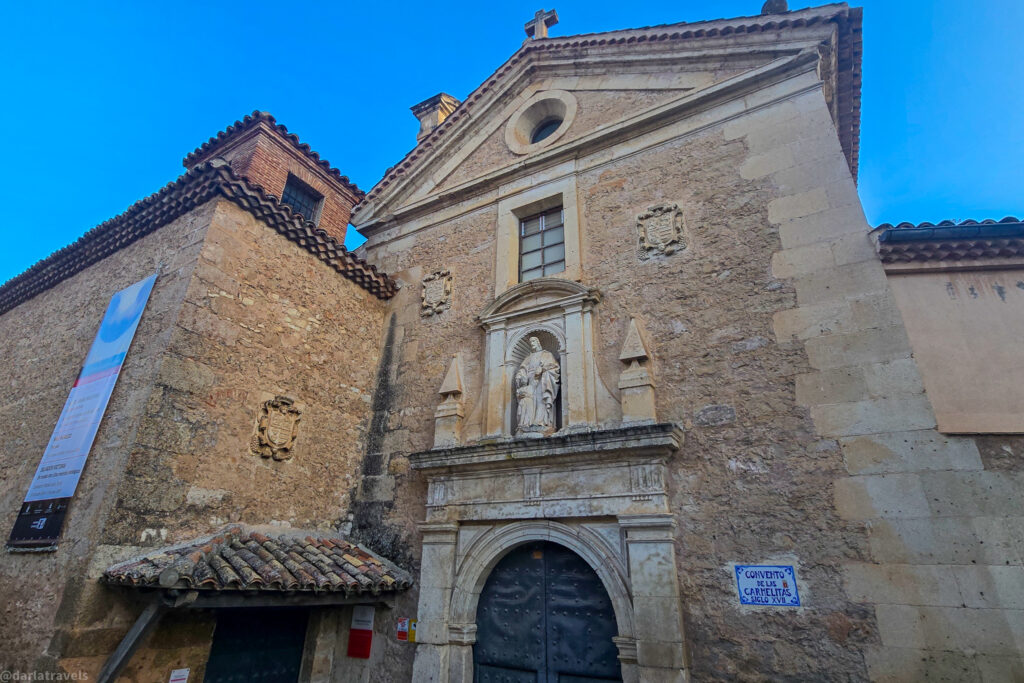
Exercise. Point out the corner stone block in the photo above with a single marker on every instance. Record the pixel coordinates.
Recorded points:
(873, 416)
(812, 258)
(911, 451)
(897, 664)
(858, 348)
(929, 585)
(824, 226)
(991, 587)
(886, 496)
(954, 629)
(949, 540)
(797, 206)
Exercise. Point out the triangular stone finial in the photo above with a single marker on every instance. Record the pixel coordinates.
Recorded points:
(452, 383)
(633, 349)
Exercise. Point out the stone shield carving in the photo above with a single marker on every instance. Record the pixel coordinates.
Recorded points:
(437, 293)
(277, 426)
(659, 231)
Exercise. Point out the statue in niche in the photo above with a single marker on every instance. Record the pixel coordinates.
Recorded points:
(536, 389)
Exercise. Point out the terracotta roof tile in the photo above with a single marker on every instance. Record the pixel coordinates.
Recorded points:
(208, 148)
(848, 20)
(951, 241)
(196, 187)
(240, 558)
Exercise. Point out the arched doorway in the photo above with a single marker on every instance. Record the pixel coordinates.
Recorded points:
(544, 617)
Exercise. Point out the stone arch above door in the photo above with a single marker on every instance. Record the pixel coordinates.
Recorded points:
(486, 551)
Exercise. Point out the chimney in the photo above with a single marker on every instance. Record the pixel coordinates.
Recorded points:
(432, 112)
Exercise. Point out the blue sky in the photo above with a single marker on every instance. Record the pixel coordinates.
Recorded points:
(104, 99)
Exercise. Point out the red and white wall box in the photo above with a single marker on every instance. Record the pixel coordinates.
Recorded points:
(360, 636)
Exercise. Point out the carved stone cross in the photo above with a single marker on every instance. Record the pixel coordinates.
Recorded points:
(541, 22)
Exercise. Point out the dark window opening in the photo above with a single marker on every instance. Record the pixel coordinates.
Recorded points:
(545, 129)
(541, 245)
(302, 198)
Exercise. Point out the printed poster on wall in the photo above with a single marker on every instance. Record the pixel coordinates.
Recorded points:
(41, 517)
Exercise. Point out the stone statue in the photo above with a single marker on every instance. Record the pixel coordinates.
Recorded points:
(536, 390)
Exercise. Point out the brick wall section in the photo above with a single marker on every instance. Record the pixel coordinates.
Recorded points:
(944, 573)
(266, 160)
(45, 342)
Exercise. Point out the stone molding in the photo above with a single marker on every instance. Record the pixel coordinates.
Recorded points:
(531, 113)
(494, 544)
(657, 440)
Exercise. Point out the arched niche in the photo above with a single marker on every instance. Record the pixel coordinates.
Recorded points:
(560, 313)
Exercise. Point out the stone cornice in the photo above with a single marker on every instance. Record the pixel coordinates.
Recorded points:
(205, 182)
(655, 440)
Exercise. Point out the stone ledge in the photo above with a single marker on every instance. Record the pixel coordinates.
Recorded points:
(652, 439)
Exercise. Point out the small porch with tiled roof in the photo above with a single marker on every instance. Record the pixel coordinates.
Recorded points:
(250, 567)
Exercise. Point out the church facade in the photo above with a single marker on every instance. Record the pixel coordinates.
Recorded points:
(621, 386)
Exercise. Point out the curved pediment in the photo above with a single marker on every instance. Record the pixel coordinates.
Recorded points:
(540, 293)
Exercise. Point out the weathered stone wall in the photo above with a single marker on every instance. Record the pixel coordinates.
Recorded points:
(261, 317)
(239, 315)
(45, 342)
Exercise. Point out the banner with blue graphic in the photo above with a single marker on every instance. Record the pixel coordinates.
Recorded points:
(41, 518)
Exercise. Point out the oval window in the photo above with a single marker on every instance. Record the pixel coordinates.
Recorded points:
(545, 129)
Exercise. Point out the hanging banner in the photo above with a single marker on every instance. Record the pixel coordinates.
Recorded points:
(41, 518)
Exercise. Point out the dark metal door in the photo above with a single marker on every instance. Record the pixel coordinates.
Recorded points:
(255, 644)
(544, 617)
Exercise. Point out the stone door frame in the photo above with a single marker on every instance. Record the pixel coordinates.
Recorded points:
(623, 531)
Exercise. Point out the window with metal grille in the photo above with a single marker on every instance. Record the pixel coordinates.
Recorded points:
(302, 198)
(541, 244)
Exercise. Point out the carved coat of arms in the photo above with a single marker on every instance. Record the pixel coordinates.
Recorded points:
(277, 426)
(659, 230)
(437, 293)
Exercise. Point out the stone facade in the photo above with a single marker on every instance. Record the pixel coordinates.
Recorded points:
(773, 339)
(739, 381)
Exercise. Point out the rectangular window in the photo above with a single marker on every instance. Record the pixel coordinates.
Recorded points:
(541, 244)
(302, 198)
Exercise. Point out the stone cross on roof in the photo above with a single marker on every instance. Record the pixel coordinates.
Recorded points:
(541, 22)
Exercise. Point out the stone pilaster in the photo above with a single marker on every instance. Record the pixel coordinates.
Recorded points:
(437, 578)
(657, 609)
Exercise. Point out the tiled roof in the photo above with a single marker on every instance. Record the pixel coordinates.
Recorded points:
(951, 241)
(196, 187)
(252, 120)
(848, 20)
(241, 558)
